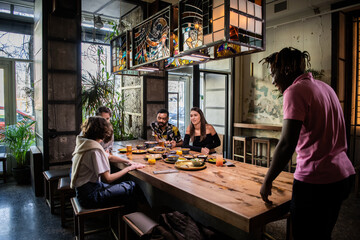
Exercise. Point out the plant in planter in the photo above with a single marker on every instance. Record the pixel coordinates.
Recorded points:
(18, 138)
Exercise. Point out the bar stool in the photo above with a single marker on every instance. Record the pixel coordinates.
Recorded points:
(244, 141)
(139, 223)
(65, 194)
(51, 178)
(3, 160)
(81, 214)
(257, 150)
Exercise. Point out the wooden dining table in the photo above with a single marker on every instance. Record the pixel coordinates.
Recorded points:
(230, 194)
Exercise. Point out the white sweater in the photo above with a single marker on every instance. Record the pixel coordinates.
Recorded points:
(82, 145)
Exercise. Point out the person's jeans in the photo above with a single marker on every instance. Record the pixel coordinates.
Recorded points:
(99, 194)
(315, 208)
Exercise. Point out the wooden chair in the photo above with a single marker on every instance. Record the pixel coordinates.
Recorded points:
(3, 160)
(220, 149)
(81, 214)
(65, 194)
(257, 145)
(244, 142)
(51, 178)
(139, 223)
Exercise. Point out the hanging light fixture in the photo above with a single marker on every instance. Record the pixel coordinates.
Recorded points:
(193, 32)
(221, 28)
(98, 22)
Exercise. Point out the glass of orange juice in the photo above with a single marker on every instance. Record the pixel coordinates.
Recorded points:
(162, 143)
(179, 152)
(128, 150)
(219, 160)
(151, 161)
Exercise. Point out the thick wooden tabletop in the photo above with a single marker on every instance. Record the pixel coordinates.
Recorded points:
(229, 193)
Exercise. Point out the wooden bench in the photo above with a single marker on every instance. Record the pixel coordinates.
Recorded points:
(65, 194)
(139, 223)
(81, 214)
(51, 178)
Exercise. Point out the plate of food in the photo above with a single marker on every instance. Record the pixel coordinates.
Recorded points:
(122, 150)
(213, 160)
(153, 156)
(139, 151)
(156, 150)
(189, 165)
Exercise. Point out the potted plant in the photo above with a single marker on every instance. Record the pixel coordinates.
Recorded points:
(18, 138)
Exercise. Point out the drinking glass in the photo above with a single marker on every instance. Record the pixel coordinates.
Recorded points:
(219, 160)
(128, 150)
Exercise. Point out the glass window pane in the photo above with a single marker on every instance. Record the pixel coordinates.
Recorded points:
(2, 100)
(91, 57)
(23, 11)
(15, 45)
(4, 8)
(24, 91)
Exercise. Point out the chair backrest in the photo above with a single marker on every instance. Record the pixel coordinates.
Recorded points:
(219, 149)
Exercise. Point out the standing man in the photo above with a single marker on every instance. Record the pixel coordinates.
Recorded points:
(163, 130)
(314, 125)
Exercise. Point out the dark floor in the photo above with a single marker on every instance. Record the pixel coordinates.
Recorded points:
(24, 216)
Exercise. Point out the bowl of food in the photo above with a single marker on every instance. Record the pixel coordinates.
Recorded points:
(141, 147)
(185, 150)
(150, 144)
(159, 149)
(188, 156)
(197, 162)
(173, 158)
(202, 156)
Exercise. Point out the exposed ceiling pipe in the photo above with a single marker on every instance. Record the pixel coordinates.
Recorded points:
(312, 16)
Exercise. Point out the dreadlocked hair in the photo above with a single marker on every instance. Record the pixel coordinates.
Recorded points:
(289, 61)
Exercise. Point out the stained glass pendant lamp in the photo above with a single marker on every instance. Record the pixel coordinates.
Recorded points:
(221, 28)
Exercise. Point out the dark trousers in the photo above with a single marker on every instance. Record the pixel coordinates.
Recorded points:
(315, 208)
(99, 194)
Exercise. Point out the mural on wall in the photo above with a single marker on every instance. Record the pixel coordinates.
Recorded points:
(263, 103)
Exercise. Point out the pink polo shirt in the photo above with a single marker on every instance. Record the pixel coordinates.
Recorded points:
(321, 149)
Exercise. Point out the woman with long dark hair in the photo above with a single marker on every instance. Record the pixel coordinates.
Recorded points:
(202, 135)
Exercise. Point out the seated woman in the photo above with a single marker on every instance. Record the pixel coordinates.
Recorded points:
(91, 175)
(202, 135)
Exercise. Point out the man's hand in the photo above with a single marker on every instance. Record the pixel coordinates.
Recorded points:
(173, 143)
(265, 192)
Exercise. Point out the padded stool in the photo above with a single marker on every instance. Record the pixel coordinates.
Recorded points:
(51, 178)
(244, 140)
(257, 150)
(3, 160)
(65, 194)
(139, 223)
(81, 214)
